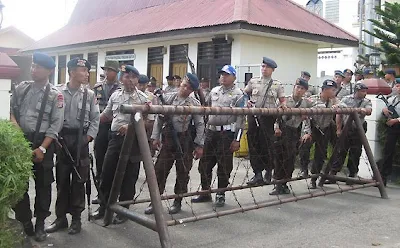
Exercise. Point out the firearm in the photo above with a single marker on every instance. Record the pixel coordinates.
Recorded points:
(391, 108)
(315, 124)
(198, 93)
(169, 124)
(60, 142)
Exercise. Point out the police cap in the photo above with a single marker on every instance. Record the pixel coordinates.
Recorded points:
(339, 73)
(43, 60)
(193, 80)
(143, 79)
(329, 84)
(302, 82)
(348, 71)
(129, 69)
(77, 62)
(360, 86)
(169, 77)
(390, 71)
(368, 71)
(306, 73)
(269, 62)
(177, 77)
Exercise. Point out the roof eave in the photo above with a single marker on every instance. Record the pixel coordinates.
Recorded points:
(204, 30)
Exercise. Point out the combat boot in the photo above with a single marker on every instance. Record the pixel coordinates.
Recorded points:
(119, 219)
(76, 225)
(58, 224)
(40, 234)
(99, 213)
(330, 181)
(256, 180)
(202, 198)
(313, 184)
(219, 200)
(28, 228)
(96, 200)
(176, 207)
(149, 209)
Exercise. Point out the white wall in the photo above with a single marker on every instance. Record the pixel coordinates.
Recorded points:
(292, 57)
(5, 87)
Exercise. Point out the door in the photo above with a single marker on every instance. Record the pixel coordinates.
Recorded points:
(156, 70)
(179, 69)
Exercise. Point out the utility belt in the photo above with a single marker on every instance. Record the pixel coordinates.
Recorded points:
(230, 127)
(72, 131)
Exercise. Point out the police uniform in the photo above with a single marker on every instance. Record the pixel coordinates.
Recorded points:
(392, 135)
(112, 156)
(26, 103)
(206, 91)
(103, 90)
(261, 129)
(71, 188)
(320, 129)
(170, 88)
(286, 146)
(170, 151)
(221, 131)
(392, 83)
(352, 144)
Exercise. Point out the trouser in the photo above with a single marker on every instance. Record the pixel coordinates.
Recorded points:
(169, 154)
(128, 187)
(100, 146)
(286, 150)
(216, 150)
(44, 177)
(392, 135)
(71, 188)
(321, 147)
(353, 146)
(261, 140)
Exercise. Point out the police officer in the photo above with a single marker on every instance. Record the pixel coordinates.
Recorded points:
(103, 90)
(368, 73)
(223, 135)
(338, 77)
(352, 145)
(152, 85)
(177, 81)
(288, 129)
(320, 128)
(28, 102)
(346, 87)
(392, 133)
(358, 75)
(178, 145)
(312, 90)
(264, 92)
(170, 87)
(390, 77)
(205, 88)
(119, 126)
(71, 182)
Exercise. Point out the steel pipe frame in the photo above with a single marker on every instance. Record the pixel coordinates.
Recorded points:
(266, 204)
(179, 110)
(205, 192)
(140, 219)
(350, 179)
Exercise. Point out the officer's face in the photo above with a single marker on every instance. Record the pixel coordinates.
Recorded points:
(330, 92)
(185, 89)
(128, 81)
(226, 79)
(170, 82)
(348, 77)
(80, 74)
(361, 93)
(39, 73)
(397, 88)
(177, 82)
(338, 79)
(110, 75)
(204, 85)
(358, 77)
(299, 90)
(266, 70)
(389, 77)
(307, 78)
(142, 87)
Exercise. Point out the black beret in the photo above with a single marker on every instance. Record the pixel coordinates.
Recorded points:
(348, 71)
(129, 69)
(193, 80)
(271, 63)
(143, 79)
(205, 80)
(360, 86)
(77, 62)
(153, 79)
(302, 82)
(43, 60)
(177, 77)
(368, 71)
(306, 73)
(339, 73)
(329, 83)
(169, 77)
(390, 71)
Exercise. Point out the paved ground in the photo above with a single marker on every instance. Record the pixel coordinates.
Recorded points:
(354, 219)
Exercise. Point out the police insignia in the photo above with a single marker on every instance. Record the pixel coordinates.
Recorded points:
(81, 63)
(123, 68)
(60, 100)
(254, 92)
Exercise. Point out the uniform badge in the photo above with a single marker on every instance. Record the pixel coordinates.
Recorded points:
(254, 92)
(81, 63)
(60, 100)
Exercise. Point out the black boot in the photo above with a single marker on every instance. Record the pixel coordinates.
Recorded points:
(256, 180)
(202, 198)
(176, 207)
(28, 228)
(96, 200)
(40, 234)
(331, 181)
(267, 177)
(119, 219)
(76, 225)
(149, 209)
(219, 200)
(313, 184)
(99, 213)
(58, 224)
(277, 190)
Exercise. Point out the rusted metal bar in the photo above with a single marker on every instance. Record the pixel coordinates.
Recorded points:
(338, 145)
(266, 204)
(350, 179)
(205, 192)
(140, 219)
(169, 109)
(368, 151)
(119, 172)
(151, 178)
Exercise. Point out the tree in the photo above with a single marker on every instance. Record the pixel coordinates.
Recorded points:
(388, 31)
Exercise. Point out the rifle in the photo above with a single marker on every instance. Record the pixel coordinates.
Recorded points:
(169, 124)
(391, 107)
(60, 142)
(197, 93)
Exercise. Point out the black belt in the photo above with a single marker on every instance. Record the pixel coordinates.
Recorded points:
(72, 131)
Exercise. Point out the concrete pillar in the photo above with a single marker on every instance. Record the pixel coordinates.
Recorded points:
(101, 58)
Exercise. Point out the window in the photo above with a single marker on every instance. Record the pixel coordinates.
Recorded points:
(332, 11)
(76, 56)
(315, 6)
(62, 70)
(92, 58)
(177, 60)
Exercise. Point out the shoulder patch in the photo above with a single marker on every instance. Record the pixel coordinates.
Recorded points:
(60, 100)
